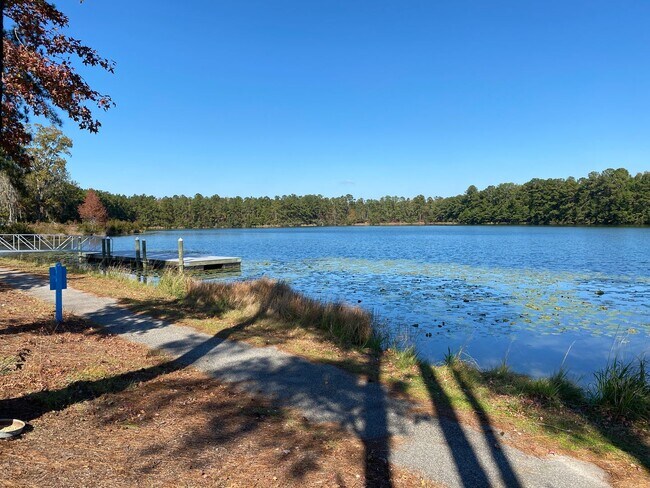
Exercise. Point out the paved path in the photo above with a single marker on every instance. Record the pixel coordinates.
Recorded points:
(443, 450)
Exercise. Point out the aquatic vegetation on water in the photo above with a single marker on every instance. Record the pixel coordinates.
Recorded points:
(483, 309)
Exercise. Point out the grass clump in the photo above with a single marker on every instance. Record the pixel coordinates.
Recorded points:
(406, 358)
(452, 358)
(269, 298)
(88, 384)
(622, 389)
(556, 390)
(175, 284)
(45, 259)
(502, 370)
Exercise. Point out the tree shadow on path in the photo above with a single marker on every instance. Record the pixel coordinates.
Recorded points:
(471, 472)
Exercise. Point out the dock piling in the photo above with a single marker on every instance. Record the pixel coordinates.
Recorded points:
(145, 263)
(181, 262)
(103, 264)
(137, 257)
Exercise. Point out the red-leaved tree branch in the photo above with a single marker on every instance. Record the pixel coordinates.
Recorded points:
(38, 74)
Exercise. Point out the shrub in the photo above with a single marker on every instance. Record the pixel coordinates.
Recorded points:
(121, 227)
(88, 228)
(16, 228)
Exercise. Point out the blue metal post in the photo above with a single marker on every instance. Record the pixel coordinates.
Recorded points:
(58, 312)
(58, 283)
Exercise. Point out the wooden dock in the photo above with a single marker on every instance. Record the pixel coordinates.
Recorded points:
(161, 260)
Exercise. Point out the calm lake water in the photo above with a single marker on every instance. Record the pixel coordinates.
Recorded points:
(524, 294)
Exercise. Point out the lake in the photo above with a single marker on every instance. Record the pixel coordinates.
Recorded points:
(526, 295)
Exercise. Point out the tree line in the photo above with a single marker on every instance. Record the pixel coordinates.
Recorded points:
(46, 193)
(611, 197)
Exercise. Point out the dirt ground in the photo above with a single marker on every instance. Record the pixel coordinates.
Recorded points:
(105, 412)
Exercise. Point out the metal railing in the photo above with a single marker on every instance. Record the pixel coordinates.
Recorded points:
(48, 243)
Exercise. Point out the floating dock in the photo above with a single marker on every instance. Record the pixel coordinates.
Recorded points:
(161, 260)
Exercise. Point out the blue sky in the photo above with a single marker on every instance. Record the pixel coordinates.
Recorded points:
(371, 98)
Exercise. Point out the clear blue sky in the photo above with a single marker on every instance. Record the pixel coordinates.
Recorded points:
(371, 98)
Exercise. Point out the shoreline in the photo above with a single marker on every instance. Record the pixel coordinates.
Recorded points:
(402, 372)
(73, 228)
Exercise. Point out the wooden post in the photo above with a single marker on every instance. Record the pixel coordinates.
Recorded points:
(137, 253)
(108, 247)
(103, 265)
(181, 263)
(144, 259)
(137, 257)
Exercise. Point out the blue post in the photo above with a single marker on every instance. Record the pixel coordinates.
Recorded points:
(58, 283)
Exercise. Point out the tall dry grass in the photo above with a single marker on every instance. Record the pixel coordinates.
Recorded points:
(264, 298)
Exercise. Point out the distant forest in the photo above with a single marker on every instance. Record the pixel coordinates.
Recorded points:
(613, 197)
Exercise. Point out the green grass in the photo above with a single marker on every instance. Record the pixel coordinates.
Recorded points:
(502, 371)
(452, 358)
(622, 389)
(174, 283)
(70, 260)
(556, 389)
(406, 358)
(91, 373)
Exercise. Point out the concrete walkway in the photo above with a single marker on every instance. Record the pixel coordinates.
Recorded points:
(443, 450)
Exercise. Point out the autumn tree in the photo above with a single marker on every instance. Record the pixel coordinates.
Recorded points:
(38, 74)
(92, 212)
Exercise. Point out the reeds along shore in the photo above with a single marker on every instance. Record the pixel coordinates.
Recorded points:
(269, 298)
